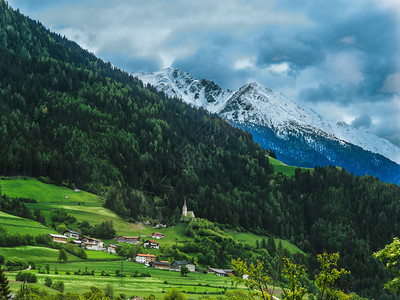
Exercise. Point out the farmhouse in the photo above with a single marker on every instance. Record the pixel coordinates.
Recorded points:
(129, 239)
(177, 264)
(72, 234)
(160, 264)
(151, 244)
(59, 238)
(112, 248)
(76, 242)
(145, 258)
(93, 244)
(157, 235)
(220, 272)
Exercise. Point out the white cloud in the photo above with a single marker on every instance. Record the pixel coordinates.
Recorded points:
(278, 68)
(244, 63)
(345, 67)
(348, 40)
(392, 84)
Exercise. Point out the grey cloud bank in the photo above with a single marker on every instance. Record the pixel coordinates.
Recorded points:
(338, 57)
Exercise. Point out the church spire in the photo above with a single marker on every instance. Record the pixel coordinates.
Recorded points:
(184, 209)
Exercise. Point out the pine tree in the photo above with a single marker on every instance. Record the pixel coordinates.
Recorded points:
(271, 247)
(4, 287)
(62, 256)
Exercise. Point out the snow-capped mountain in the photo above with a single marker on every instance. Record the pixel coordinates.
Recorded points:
(259, 109)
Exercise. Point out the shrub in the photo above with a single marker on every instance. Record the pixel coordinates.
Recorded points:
(26, 276)
(16, 264)
(58, 285)
(48, 282)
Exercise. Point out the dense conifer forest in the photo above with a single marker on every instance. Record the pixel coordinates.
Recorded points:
(68, 117)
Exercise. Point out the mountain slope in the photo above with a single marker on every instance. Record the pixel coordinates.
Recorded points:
(297, 134)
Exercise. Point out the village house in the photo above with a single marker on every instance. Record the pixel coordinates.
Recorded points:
(160, 265)
(59, 238)
(157, 235)
(76, 242)
(72, 234)
(112, 249)
(145, 258)
(220, 272)
(93, 244)
(177, 264)
(129, 239)
(151, 244)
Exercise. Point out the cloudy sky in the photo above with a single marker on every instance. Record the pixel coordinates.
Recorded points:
(339, 57)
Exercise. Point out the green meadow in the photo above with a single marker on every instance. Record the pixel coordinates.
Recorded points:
(49, 255)
(88, 207)
(16, 224)
(84, 206)
(195, 284)
(287, 170)
(37, 254)
(43, 192)
(251, 238)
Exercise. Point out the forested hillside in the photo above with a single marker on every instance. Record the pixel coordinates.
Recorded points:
(68, 116)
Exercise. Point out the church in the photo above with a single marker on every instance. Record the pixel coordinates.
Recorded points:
(186, 213)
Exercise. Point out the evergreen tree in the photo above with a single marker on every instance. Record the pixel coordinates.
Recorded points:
(263, 244)
(4, 287)
(271, 247)
(62, 256)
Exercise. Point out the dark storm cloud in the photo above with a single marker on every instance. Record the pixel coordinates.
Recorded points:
(213, 63)
(370, 31)
(362, 122)
(297, 49)
(132, 63)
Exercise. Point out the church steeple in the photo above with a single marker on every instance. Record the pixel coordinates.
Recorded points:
(184, 209)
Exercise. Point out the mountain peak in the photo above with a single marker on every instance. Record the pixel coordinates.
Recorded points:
(255, 104)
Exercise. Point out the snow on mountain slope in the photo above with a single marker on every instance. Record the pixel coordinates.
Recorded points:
(179, 84)
(255, 104)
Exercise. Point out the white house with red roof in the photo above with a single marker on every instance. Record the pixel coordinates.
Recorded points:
(145, 258)
(157, 235)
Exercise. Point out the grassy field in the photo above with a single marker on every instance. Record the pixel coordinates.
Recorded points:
(158, 284)
(42, 192)
(84, 206)
(38, 254)
(251, 238)
(49, 255)
(287, 170)
(20, 225)
(88, 207)
(174, 234)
